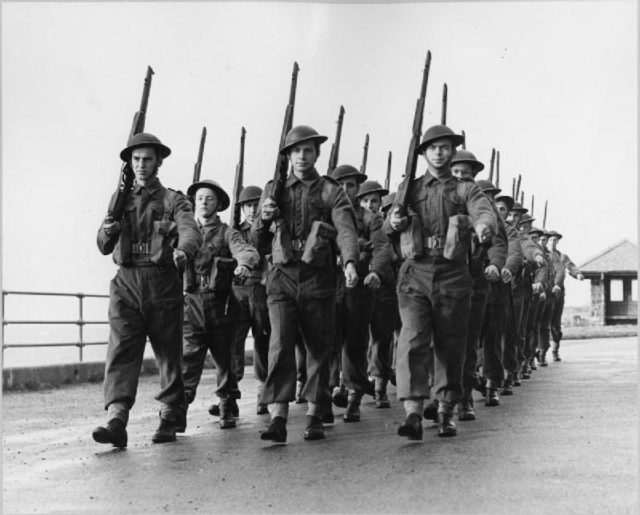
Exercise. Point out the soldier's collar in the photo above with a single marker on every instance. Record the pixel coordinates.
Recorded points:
(429, 177)
(211, 222)
(152, 185)
(313, 176)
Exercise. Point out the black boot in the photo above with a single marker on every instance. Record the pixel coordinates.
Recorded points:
(340, 397)
(507, 386)
(114, 433)
(353, 408)
(276, 432)
(492, 399)
(411, 427)
(431, 411)
(166, 432)
(181, 420)
(227, 421)
(465, 407)
(314, 429)
(446, 425)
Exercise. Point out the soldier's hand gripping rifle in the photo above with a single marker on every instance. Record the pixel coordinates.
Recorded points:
(363, 167)
(197, 168)
(125, 182)
(335, 147)
(237, 185)
(282, 162)
(411, 238)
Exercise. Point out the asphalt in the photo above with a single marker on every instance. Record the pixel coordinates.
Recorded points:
(566, 442)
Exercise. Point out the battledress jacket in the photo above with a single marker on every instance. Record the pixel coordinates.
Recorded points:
(156, 221)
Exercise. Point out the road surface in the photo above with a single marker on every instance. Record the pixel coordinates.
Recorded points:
(566, 442)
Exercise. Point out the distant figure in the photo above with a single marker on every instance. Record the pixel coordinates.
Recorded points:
(150, 244)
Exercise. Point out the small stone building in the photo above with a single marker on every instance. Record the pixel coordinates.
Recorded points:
(614, 284)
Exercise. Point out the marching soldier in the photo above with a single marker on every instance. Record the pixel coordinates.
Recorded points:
(314, 216)
(358, 303)
(155, 238)
(433, 291)
(561, 262)
(251, 295)
(211, 312)
(385, 306)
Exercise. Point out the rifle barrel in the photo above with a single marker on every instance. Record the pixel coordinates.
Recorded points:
(387, 181)
(444, 104)
(493, 159)
(464, 141)
(365, 154)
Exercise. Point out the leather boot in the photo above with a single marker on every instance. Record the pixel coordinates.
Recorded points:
(353, 408)
(226, 414)
(465, 407)
(492, 399)
(181, 420)
(516, 379)
(314, 429)
(526, 370)
(532, 364)
(430, 411)
(114, 433)
(446, 425)
(166, 432)
(556, 355)
(507, 386)
(542, 360)
(340, 396)
(411, 427)
(276, 431)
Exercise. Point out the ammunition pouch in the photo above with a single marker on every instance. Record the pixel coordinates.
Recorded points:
(318, 250)
(218, 280)
(165, 234)
(122, 251)
(282, 248)
(458, 240)
(411, 244)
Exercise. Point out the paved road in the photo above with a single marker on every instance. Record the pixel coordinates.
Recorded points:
(565, 443)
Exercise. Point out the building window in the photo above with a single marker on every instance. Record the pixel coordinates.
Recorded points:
(634, 290)
(616, 292)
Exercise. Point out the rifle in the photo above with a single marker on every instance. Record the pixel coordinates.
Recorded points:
(411, 239)
(363, 168)
(237, 185)
(498, 169)
(335, 147)
(513, 188)
(387, 180)
(125, 181)
(493, 158)
(282, 162)
(443, 119)
(533, 197)
(518, 188)
(464, 142)
(544, 218)
(522, 198)
(198, 166)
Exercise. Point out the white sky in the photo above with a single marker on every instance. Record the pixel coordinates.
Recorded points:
(552, 85)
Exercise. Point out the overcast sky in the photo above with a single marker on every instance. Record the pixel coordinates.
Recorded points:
(553, 86)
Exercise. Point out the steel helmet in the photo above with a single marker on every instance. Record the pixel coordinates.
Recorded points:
(507, 199)
(249, 193)
(526, 218)
(464, 156)
(300, 134)
(487, 187)
(388, 200)
(518, 207)
(554, 234)
(535, 230)
(144, 139)
(223, 198)
(343, 171)
(368, 187)
(439, 132)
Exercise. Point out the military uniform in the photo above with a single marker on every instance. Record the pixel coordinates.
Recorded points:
(301, 295)
(434, 292)
(146, 293)
(211, 311)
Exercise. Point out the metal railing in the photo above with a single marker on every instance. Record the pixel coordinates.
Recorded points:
(80, 322)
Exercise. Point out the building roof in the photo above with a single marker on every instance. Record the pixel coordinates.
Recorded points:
(621, 257)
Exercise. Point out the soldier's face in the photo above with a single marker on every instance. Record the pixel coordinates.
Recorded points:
(145, 163)
(371, 202)
(249, 210)
(502, 209)
(553, 241)
(463, 171)
(206, 202)
(543, 241)
(439, 153)
(535, 238)
(303, 157)
(350, 186)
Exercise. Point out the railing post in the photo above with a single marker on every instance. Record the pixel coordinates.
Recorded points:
(80, 326)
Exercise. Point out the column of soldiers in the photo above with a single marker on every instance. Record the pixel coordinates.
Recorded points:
(326, 270)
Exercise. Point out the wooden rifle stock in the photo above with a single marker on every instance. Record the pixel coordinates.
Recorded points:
(363, 167)
(198, 166)
(126, 177)
(335, 147)
(387, 180)
(236, 214)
